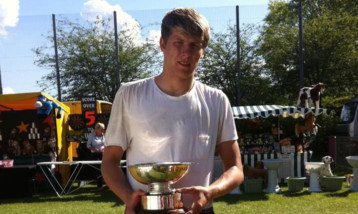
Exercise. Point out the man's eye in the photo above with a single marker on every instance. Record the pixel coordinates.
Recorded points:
(196, 46)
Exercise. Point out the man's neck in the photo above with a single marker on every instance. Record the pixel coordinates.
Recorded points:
(174, 86)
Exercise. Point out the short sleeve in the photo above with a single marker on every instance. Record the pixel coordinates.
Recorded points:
(227, 129)
(116, 133)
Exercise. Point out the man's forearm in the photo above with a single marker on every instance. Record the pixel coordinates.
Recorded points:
(116, 180)
(228, 181)
(233, 174)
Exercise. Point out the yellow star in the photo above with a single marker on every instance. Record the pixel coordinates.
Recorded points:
(22, 127)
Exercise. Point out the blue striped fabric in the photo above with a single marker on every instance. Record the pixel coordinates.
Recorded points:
(251, 112)
(297, 163)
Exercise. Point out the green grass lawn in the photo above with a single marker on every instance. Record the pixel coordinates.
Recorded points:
(101, 200)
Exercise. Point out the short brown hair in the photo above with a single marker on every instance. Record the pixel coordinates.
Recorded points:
(187, 20)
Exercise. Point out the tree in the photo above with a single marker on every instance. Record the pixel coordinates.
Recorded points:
(218, 67)
(87, 59)
(278, 46)
(330, 41)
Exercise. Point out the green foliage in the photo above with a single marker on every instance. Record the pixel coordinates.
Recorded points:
(335, 104)
(277, 44)
(270, 60)
(329, 40)
(87, 59)
(330, 56)
(218, 68)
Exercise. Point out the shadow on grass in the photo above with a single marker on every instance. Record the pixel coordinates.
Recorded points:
(339, 194)
(90, 193)
(234, 199)
(295, 194)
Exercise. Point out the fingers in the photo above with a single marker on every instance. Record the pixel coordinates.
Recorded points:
(139, 192)
(184, 189)
(199, 199)
(195, 208)
(134, 202)
(136, 197)
(128, 211)
(189, 190)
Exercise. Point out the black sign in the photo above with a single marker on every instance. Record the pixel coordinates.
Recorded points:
(89, 112)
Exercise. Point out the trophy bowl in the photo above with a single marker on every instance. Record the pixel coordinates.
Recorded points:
(159, 177)
(148, 173)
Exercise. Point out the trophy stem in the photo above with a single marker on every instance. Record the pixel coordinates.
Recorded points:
(161, 188)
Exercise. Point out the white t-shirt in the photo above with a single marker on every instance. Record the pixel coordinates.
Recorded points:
(155, 127)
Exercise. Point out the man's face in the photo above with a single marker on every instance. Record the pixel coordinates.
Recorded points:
(182, 53)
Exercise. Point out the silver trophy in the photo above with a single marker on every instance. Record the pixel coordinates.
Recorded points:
(160, 177)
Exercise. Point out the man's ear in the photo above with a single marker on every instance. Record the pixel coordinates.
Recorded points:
(202, 54)
(162, 44)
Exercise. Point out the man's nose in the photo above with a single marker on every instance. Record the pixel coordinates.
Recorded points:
(187, 50)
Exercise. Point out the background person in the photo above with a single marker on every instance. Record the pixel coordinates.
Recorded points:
(96, 141)
(173, 117)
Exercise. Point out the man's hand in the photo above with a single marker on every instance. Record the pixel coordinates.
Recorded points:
(201, 196)
(229, 180)
(134, 202)
(117, 181)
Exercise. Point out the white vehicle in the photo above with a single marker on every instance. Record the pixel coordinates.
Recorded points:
(349, 119)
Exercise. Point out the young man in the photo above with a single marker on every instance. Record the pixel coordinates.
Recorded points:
(173, 117)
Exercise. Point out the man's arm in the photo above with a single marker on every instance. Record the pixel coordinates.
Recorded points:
(233, 174)
(232, 177)
(116, 180)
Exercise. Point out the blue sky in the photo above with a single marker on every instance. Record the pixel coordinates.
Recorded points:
(25, 23)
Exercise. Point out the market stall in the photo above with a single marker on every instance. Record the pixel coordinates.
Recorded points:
(261, 144)
(81, 124)
(84, 115)
(28, 130)
(33, 128)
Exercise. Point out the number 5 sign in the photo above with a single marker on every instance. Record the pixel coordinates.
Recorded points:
(90, 118)
(89, 112)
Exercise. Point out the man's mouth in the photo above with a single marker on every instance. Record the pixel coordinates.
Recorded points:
(184, 63)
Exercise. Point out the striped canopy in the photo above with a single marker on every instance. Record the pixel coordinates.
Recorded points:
(251, 112)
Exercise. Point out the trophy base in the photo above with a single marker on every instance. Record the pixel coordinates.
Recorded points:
(165, 202)
(162, 211)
